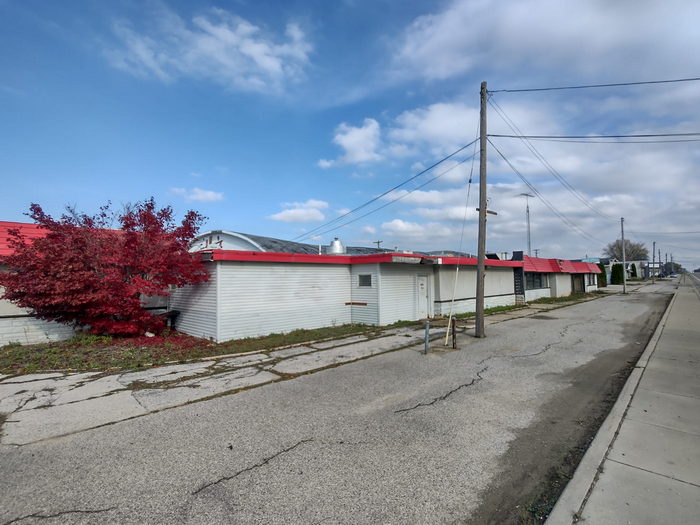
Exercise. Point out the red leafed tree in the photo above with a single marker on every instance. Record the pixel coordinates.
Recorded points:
(86, 273)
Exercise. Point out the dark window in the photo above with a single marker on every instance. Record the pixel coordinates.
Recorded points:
(534, 280)
(366, 280)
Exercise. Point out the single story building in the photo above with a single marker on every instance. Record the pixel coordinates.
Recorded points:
(16, 324)
(260, 285)
(253, 292)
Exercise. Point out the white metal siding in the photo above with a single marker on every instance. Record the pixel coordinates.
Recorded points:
(197, 306)
(263, 298)
(29, 330)
(531, 295)
(368, 314)
(562, 284)
(499, 288)
(398, 292)
(17, 326)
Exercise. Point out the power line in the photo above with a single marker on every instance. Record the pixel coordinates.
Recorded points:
(545, 163)
(340, 217)
(650, 135)
(549, 205)
(589, 86)
(617, 141)
(408, 192)
(666, 233)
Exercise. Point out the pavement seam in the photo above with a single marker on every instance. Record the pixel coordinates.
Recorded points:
(264, 462)
(665, 427)
(653, 472)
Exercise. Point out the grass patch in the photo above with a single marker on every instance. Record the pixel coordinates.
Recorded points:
(492, 310)
(568, 299)
(90, 352)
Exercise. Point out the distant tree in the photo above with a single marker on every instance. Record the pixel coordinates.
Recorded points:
(602, 276)
(85, 273)
(616, 274)
(634, 251)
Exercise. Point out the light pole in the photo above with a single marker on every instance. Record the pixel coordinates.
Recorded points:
(527, 215)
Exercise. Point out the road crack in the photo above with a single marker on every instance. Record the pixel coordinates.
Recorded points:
(252, 467)
(448, 394)
(58, 514)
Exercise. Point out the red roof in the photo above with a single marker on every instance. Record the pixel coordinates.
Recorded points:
(534, 264)
(29, 231)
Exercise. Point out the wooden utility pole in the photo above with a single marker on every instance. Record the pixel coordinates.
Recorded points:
(653, 263)
(481, 263)
(624, 262)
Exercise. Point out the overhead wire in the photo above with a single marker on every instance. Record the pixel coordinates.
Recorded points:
(313, 231)
(646, 135)
(572, 225)
(590, 86)
(499, 110)
(400, 197)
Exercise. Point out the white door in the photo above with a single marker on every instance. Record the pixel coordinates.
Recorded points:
(423, 297)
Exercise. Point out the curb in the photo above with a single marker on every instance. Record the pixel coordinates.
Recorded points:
(577, 491)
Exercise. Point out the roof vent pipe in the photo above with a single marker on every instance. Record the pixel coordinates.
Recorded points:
(336, 247)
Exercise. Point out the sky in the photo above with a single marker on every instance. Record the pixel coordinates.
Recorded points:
(277, 118)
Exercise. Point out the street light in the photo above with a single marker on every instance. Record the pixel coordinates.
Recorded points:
(527, 215)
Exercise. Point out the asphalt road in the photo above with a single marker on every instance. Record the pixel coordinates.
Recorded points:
(397, 438)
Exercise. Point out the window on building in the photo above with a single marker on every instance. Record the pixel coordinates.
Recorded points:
(366, 280)
(534, 280)
(591, 279)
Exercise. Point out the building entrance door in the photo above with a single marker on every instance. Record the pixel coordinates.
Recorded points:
(423, 297)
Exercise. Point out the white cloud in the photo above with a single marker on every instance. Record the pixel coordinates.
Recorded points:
(360, 144)
(311, 203)
(369, 229)
(298, 215)
(198, 194)
(309, 211)
(217, 46)
(590, 38)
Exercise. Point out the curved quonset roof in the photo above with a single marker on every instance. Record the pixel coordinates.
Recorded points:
(228, 240)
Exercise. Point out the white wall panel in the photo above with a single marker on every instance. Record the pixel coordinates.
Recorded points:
(532, 295)
(398, 292)
(29, 330)
(369, 313)
(197, 306)
(263, 298)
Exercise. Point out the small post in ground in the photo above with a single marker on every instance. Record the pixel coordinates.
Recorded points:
(427, 336)
(453, 326)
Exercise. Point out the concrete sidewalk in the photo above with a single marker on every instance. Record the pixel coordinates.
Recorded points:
(48, 405)
(644, 465)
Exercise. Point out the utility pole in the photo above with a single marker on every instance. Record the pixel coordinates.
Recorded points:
(527, 215)
(377, 243)
(537, 252)
(653, 262)
(481, 262)
(659, 261)
(666, 264)
(624, 262)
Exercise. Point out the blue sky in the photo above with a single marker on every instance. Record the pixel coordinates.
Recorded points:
(274, 118)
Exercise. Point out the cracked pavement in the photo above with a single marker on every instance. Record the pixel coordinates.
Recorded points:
(301, 435)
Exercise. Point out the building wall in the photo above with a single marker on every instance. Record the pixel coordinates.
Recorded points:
(398, 292)
(532, 295)
(369, 312)
(262, 298)
(17, 326)
(197, 305)
(560, 283)
(499, 288)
